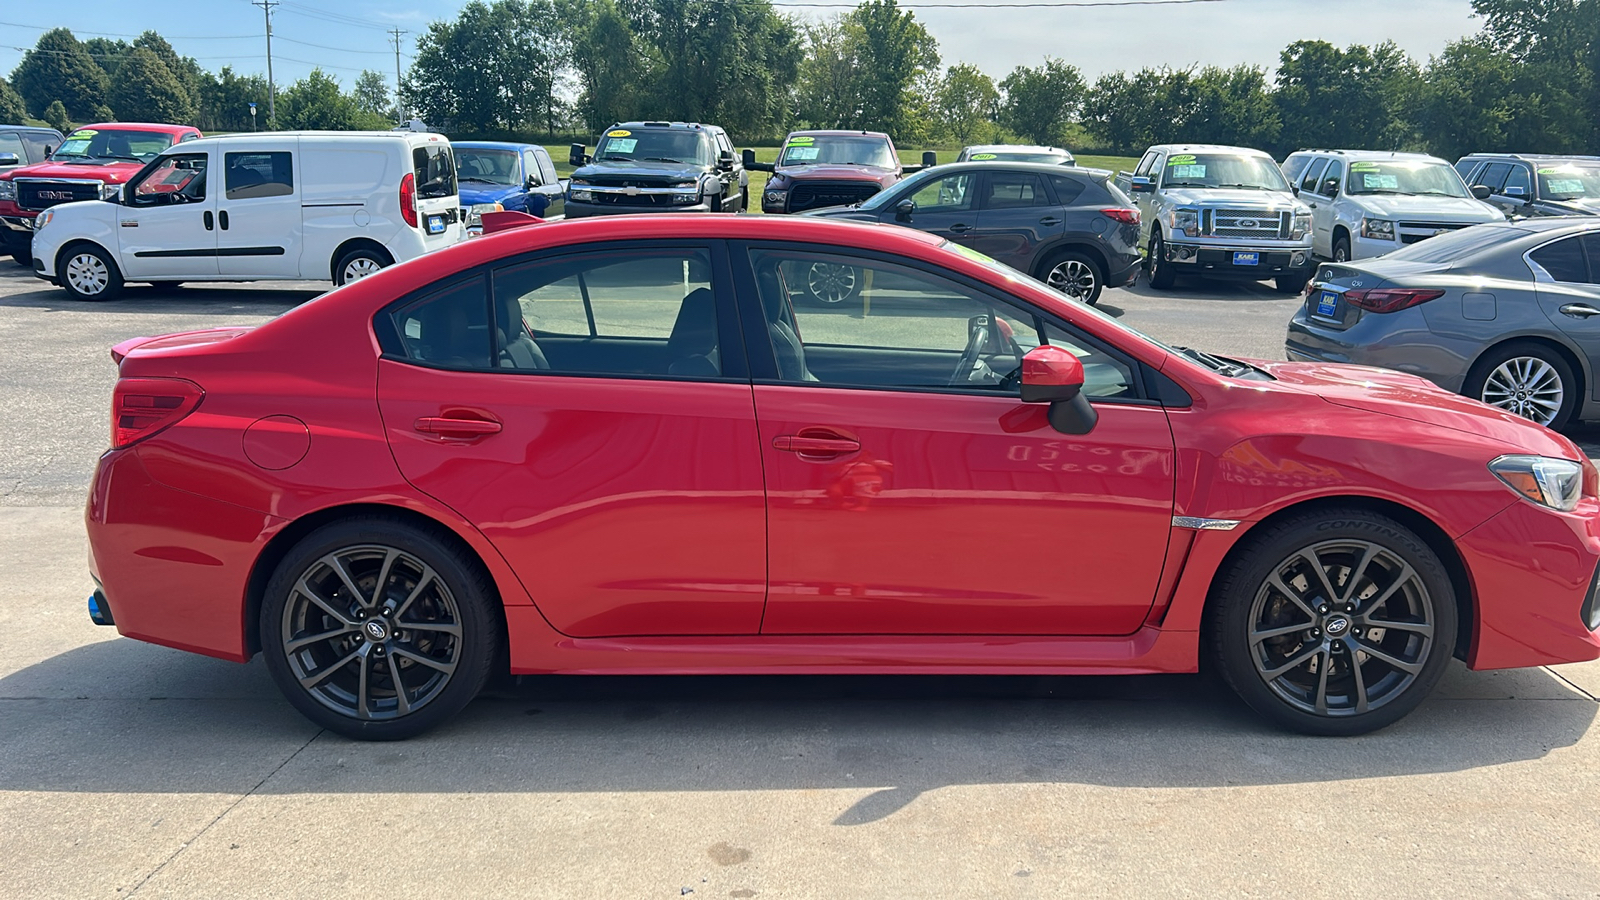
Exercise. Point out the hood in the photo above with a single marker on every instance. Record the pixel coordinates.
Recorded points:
(1586, 206)
(111, 172)
(472, 192)
(836, 172)
(1390, 393)
(1426, 207)
(1233, 197)
(645, 171)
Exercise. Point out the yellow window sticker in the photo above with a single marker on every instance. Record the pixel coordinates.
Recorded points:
(82, 133)
(620, 132)
(983, 156)
(1363, 167)
(802, 139)
(1182, 159)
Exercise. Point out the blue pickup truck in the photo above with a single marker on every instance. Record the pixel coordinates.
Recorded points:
(495, 175)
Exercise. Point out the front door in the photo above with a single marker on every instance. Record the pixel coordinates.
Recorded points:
(258, 219)
(910, 491)
(945, 206)
(580, 408)
(169, 228)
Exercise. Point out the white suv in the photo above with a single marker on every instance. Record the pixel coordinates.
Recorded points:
(320, 206)
(1365, 203)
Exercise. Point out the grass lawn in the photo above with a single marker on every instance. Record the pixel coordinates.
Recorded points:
(758, 180)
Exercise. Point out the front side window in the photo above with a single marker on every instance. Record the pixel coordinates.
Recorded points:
(180, 178)
(1145, 163)
(40, 145)
(952, 193)
(1015, 190)
(435, 169)
(251, 175)
(1314, 172)
(447, 328)
(118, 144)
(1563, 261)
(11, 143)
(655, 145)
(1519, 183)
(910, 329)
(1330, 179)
(1493, 176)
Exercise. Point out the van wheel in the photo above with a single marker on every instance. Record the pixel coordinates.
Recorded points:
(87, 273)
(358, 264)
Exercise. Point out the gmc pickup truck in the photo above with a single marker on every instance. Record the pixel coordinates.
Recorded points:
(1219, 212)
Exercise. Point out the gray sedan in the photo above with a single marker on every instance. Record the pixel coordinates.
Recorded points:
(1507, 314)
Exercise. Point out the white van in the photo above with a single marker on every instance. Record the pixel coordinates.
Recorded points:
(319, 206)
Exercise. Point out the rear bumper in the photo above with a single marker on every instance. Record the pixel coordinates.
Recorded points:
(1399, 341)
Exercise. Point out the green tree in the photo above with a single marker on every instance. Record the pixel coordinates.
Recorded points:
(225, 101)
(12, 109)
(316, 102)
(371, 93)
(1469, 102)
(188, 72)
(1351, 97)
(1555, 46)
(55, 115)
(610, 64)
(147, 91)
(966, 103)
(1041, 103)
(826, 95)
(498, 66)
(107, 53)
(58, 68)
(1233, 106)
(894, 50)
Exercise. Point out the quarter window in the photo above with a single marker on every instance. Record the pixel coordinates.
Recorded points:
(853, 322)
(252, 175)
(1563, 260)
(1067, 189)
(1014, 190)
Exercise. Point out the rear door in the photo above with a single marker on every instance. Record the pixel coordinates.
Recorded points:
(1017, 215)
(169, 228)
(1567, 280)
(590, 412)
(259, 232)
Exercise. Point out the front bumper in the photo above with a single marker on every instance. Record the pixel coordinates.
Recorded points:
(1218, 260)
(18, 224)
(577, 210)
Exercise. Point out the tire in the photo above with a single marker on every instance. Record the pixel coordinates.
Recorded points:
(1076, 275)
(358, 264)
(88, 273)
(715, 203)
(1544, 378)
(439, 638)
(1292, 283)
(1341, 249)
(1302, 678)
(830, 284)
(22, 259)
(1158, 272)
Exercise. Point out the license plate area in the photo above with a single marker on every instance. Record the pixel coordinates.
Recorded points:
(436, 224)
(1246, 258)
(1328, 304)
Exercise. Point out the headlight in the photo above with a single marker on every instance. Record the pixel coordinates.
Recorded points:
(43, 219)
(1186, 221)
(686, 192)
(1556, 483)
(8, 190)
(775, 198)
(581, 196)
(1302, 226)
(1381, 229)
(110, 191)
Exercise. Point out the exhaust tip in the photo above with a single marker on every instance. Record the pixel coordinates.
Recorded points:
(99, 610)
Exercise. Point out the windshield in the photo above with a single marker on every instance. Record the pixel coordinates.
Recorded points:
(486, 166)
(656, 145)
(822, 149)
(1570, 182)
(434, 166)
(1019, 156)
(131, 146)
(1216, 170)
(1454, 245)
(1405, 177)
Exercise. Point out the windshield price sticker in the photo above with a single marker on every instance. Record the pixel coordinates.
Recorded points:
(621, 145)
(83, 133)
(983, 156)
(1363, 167)
(1565, 186)
(1188, 171)
(803, 152)
(618, 133)
(1182, 159)
(1380, 182)
(802, 139)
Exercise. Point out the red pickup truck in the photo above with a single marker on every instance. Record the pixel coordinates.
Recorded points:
(816, 169)
(91, 164)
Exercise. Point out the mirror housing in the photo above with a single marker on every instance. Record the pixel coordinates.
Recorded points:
(749, 159)
(1054, 376)
(725, 160)
(1140, 184)
(929, 159)
(1519, 192)
(1481, 191)
(10, 159)
(532, 182)
(577, 155)
(904, 209)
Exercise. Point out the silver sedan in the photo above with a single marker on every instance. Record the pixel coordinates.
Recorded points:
(1506, 314)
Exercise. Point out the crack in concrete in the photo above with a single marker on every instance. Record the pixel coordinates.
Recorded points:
(1570, 683)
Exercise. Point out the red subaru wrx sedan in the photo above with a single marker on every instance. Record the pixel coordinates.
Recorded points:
(619, 446)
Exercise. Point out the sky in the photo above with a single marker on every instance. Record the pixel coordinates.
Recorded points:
(349, 36)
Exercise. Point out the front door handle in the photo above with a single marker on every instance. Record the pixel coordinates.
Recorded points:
(448, 427)
(816, 444)
(208, 220)
(959, 228)
(1579, 310)
(222, 219)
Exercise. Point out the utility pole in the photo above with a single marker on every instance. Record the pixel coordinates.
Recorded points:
(398, 112)
(272, 88)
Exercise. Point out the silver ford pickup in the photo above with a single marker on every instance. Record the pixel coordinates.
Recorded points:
(1219, 212)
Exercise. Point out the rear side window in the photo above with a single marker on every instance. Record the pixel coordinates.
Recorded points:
(1067, 189)
(1015, 190)
(251, 175)
(435, 168)
(1493, 176)
(1313, 175)
(1563, 260)
(448, 328)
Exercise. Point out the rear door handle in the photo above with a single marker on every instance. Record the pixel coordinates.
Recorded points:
(958, 228)
(207, 219)
(816, 445)
(446, 427)
(1579, 310)
(1050, 220)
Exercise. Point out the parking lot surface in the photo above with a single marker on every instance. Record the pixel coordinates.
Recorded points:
(133, 770)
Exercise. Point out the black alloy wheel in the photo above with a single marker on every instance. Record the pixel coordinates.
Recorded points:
(1075, 275)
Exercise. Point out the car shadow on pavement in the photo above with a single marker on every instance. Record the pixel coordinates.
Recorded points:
(1207, 290)
(146, 300)
(120, 716)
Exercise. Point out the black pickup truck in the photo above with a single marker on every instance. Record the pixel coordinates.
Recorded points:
(640, 167)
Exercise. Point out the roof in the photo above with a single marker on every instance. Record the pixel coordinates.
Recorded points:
(991, 165)
(1015, 148)
(1209, 148)
(252, 135)
(137, 126)
(839, 132)
(1372, 154)
(30, 128)
(685, 126)
(1529, 156)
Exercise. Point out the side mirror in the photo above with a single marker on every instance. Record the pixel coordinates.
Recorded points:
(532, 182)
(1054, 376)
(1294, 189)
(929, 159)
(1141, 184)
(904, 209)
(725, 160)
(749, 158)
(577, 155)
(1331, 187)
(9, 159)
(1481, 191)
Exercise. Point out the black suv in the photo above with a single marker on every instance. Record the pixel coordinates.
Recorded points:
(1536, 184)
(658, 167)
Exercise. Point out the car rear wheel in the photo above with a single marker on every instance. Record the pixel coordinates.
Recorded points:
(87, 273)
(378, 630)
(1075, 275)
(1525, 379)
(830, 284)
(358, 264)
(1336, 622)
(1158, 271)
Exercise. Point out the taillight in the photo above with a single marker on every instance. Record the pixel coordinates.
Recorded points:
(141, 407)
(1388, 300)
(408, 199)
(1122, 214)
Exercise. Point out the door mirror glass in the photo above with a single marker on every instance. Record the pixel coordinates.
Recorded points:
(1141, 184)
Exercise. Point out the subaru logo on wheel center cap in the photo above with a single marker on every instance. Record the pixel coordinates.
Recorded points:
(377, 630)
(1338, 625)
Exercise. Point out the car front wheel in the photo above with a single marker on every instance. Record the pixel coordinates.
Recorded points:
(1337, 622)
(377, 629)
(88, 273)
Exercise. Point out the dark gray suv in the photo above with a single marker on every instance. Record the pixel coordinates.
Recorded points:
(1534, 184)
(1071, 228)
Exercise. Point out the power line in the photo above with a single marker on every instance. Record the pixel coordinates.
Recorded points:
(336, 49)
(175, 37)
(312, 12)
